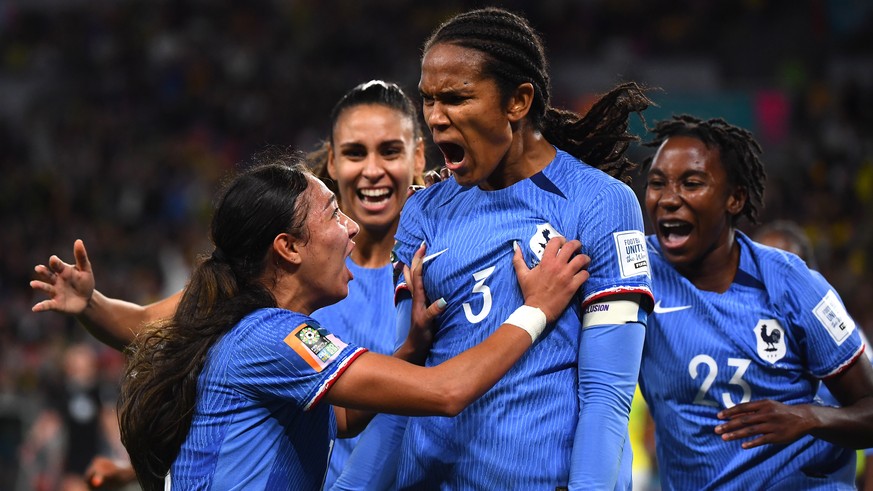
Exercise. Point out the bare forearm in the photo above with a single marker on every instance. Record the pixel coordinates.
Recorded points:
(116, 322)
(472, 373)
(850, 426)
(387, 384)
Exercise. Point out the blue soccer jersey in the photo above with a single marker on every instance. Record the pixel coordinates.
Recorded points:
(773, 334)
(520, 434)
(257, 421)
(366, 318)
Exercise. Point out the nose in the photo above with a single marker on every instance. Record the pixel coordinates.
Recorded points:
(669, 197)
(373, 168)
(351, 226)
(434, 115)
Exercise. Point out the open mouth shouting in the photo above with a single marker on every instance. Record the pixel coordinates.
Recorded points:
(674, 234)
(454, 155)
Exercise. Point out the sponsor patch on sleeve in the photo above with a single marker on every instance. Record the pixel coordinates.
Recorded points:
(833, 316)
(314, 344)
(633, 258)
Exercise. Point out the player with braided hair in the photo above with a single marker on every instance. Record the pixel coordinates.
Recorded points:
(742, 334)
(524, 172)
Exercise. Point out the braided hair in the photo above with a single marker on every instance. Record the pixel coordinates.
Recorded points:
(515, 55)
(738, 150)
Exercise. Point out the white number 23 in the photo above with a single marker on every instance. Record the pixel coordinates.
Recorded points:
(741, 366)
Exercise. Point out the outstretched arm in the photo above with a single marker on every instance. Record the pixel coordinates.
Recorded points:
(767, 421)
(71, 291)
(381, 383)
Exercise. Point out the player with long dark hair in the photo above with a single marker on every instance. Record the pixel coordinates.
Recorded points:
(233, 389)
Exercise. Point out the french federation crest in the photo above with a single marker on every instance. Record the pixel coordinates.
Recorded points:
(545, 231)
(770, 337)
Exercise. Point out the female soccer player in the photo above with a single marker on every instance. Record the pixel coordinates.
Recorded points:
(560, 416)
(741, 335)
(374, 152)
(227, 392)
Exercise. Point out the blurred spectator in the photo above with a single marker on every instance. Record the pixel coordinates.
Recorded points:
(77, 423)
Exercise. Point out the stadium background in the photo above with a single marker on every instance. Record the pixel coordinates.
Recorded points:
(118, 119)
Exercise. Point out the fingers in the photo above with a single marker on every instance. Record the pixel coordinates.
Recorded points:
(762, 435)
(418, 257)
(412, 189)
(430, 178)
(740, 409)
(518, 261)
(44, 306)
(56, 265)
(44, 274)
(436, 308)
(81, 254)
(554, 246)
(95, 481)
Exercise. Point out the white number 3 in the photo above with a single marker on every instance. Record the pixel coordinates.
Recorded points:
(480, 287)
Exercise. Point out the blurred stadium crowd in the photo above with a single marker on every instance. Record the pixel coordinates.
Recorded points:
(119, 118)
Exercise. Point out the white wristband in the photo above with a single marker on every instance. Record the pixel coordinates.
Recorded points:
(531, 319)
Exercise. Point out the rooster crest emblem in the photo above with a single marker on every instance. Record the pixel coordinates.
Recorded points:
(540, 238)
(770, 337)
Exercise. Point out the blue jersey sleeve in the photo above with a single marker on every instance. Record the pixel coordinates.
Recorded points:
(609, 365)
(831, 338)
(612, 236)
(410, 232)
(288, 356)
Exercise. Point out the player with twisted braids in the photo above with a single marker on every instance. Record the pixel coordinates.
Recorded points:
(234, 391)
(742, 334)
(560, 417)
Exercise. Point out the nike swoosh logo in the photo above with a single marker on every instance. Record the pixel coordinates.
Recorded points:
(431, 256)
(667, 310)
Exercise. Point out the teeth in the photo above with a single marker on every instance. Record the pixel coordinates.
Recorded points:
(375, 193)
(672, 225)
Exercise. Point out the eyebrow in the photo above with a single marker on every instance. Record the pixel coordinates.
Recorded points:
(330, 202)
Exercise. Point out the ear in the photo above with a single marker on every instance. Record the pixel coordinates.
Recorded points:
(331, 163)
(288, 247)
(737, 200)
(520, 102)
(420, 161)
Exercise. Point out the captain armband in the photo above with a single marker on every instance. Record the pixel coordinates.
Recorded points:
(615, 309)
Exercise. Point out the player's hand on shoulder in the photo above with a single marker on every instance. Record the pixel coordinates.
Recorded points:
(552, 283)
(430, 177)
(69, 286)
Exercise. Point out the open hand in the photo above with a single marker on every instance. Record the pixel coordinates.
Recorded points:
(421, 328)
(551, 284)
(68, 286)
(765, 421)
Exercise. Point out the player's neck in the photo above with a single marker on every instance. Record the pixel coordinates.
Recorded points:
(528, 154)
(716, 270)
(373, 247)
